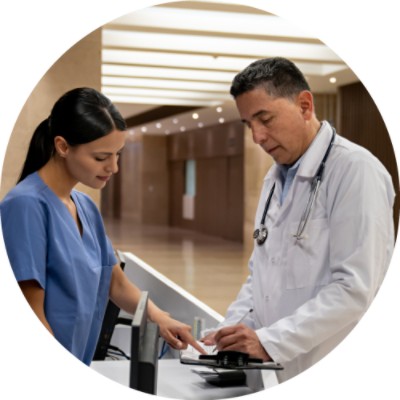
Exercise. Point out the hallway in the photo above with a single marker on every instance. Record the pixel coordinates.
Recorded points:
(210, 268)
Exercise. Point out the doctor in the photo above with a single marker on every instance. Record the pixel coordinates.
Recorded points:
(323, 234)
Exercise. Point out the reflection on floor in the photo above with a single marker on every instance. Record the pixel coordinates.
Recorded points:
(210, 268)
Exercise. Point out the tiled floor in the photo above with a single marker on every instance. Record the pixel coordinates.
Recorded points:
(210, 268)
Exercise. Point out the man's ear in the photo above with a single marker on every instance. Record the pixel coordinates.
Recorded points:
(61, 146)
(305, 101)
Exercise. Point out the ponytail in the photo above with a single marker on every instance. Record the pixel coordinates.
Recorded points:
(80, 116)
(40, 150)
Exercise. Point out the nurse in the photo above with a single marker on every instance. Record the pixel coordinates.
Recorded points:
(54, 234)
(323, 231)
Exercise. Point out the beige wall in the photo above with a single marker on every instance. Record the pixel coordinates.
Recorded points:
(139, 192)
(79, 66)
(155, 180)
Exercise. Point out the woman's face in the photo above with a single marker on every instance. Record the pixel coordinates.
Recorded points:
(95, 162)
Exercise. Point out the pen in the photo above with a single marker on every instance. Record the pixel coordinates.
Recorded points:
(240, 320)
(244, 316)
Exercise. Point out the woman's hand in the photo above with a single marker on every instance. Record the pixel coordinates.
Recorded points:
(176, 334)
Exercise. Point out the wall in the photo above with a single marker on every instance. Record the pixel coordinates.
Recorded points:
(218, 152)
(79, 66)
(140, 191)
(361, 122)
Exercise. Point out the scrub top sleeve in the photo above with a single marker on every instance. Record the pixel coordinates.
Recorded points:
(23, 221)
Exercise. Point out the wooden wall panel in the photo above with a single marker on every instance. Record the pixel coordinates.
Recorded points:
(235, 199)
(218, 152)
(361, 122)
(176, 191)
(131, 180)
(211, 196)
(215, 141)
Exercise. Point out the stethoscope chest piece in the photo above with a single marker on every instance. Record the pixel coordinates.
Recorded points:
(260, 235)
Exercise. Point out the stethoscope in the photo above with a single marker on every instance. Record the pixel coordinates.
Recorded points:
(261, 234)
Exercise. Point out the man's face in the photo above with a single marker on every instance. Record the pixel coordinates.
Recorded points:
(279, 125)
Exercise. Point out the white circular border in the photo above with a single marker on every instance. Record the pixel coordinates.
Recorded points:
(34, 34)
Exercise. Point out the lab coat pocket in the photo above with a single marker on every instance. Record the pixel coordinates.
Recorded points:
(307, 258)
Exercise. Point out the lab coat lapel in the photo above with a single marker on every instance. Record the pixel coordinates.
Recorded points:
(308, 166)
(315, 153)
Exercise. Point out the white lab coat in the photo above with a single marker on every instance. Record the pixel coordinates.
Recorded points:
(308, 294)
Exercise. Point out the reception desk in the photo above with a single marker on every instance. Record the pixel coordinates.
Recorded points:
(175, 380)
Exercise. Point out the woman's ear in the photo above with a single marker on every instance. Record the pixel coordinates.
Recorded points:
(61, 146)
(306, 104)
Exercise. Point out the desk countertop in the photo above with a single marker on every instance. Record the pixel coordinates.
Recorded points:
(176, 380)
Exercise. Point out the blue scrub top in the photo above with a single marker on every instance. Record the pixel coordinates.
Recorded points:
(43, 243)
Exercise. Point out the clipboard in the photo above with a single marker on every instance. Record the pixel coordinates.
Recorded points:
(233, 360)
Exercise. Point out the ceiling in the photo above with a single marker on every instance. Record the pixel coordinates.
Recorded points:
(168, 68)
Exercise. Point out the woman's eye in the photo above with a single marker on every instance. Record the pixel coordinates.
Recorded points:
(100, 158)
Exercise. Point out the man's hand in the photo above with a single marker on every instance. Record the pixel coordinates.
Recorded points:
(209, 339)
(240, 338)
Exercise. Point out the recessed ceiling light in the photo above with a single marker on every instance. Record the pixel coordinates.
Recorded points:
(195, 116)
(221, 120)
(219, 109)
(143, 129)
(332, 79)
(200, 124)
(158, 125)
(182, 129)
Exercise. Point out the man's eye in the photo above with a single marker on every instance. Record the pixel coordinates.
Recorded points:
(266, 121)
(100, 158)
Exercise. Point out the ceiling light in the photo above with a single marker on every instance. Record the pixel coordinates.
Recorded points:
(195, 116)
(158, 125)
(217, 21)
(200, 124)
(182, 129)
(175, 120)
(177, 94)
(221, 120)
(156, 83)
(143, 129)
(167, 73)
(219, 109)
(175, 42)
(332, 79)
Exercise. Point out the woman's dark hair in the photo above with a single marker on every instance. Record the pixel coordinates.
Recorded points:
(278, 76)
(79, 116)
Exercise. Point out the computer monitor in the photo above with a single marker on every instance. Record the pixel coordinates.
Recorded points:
(144, 350)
